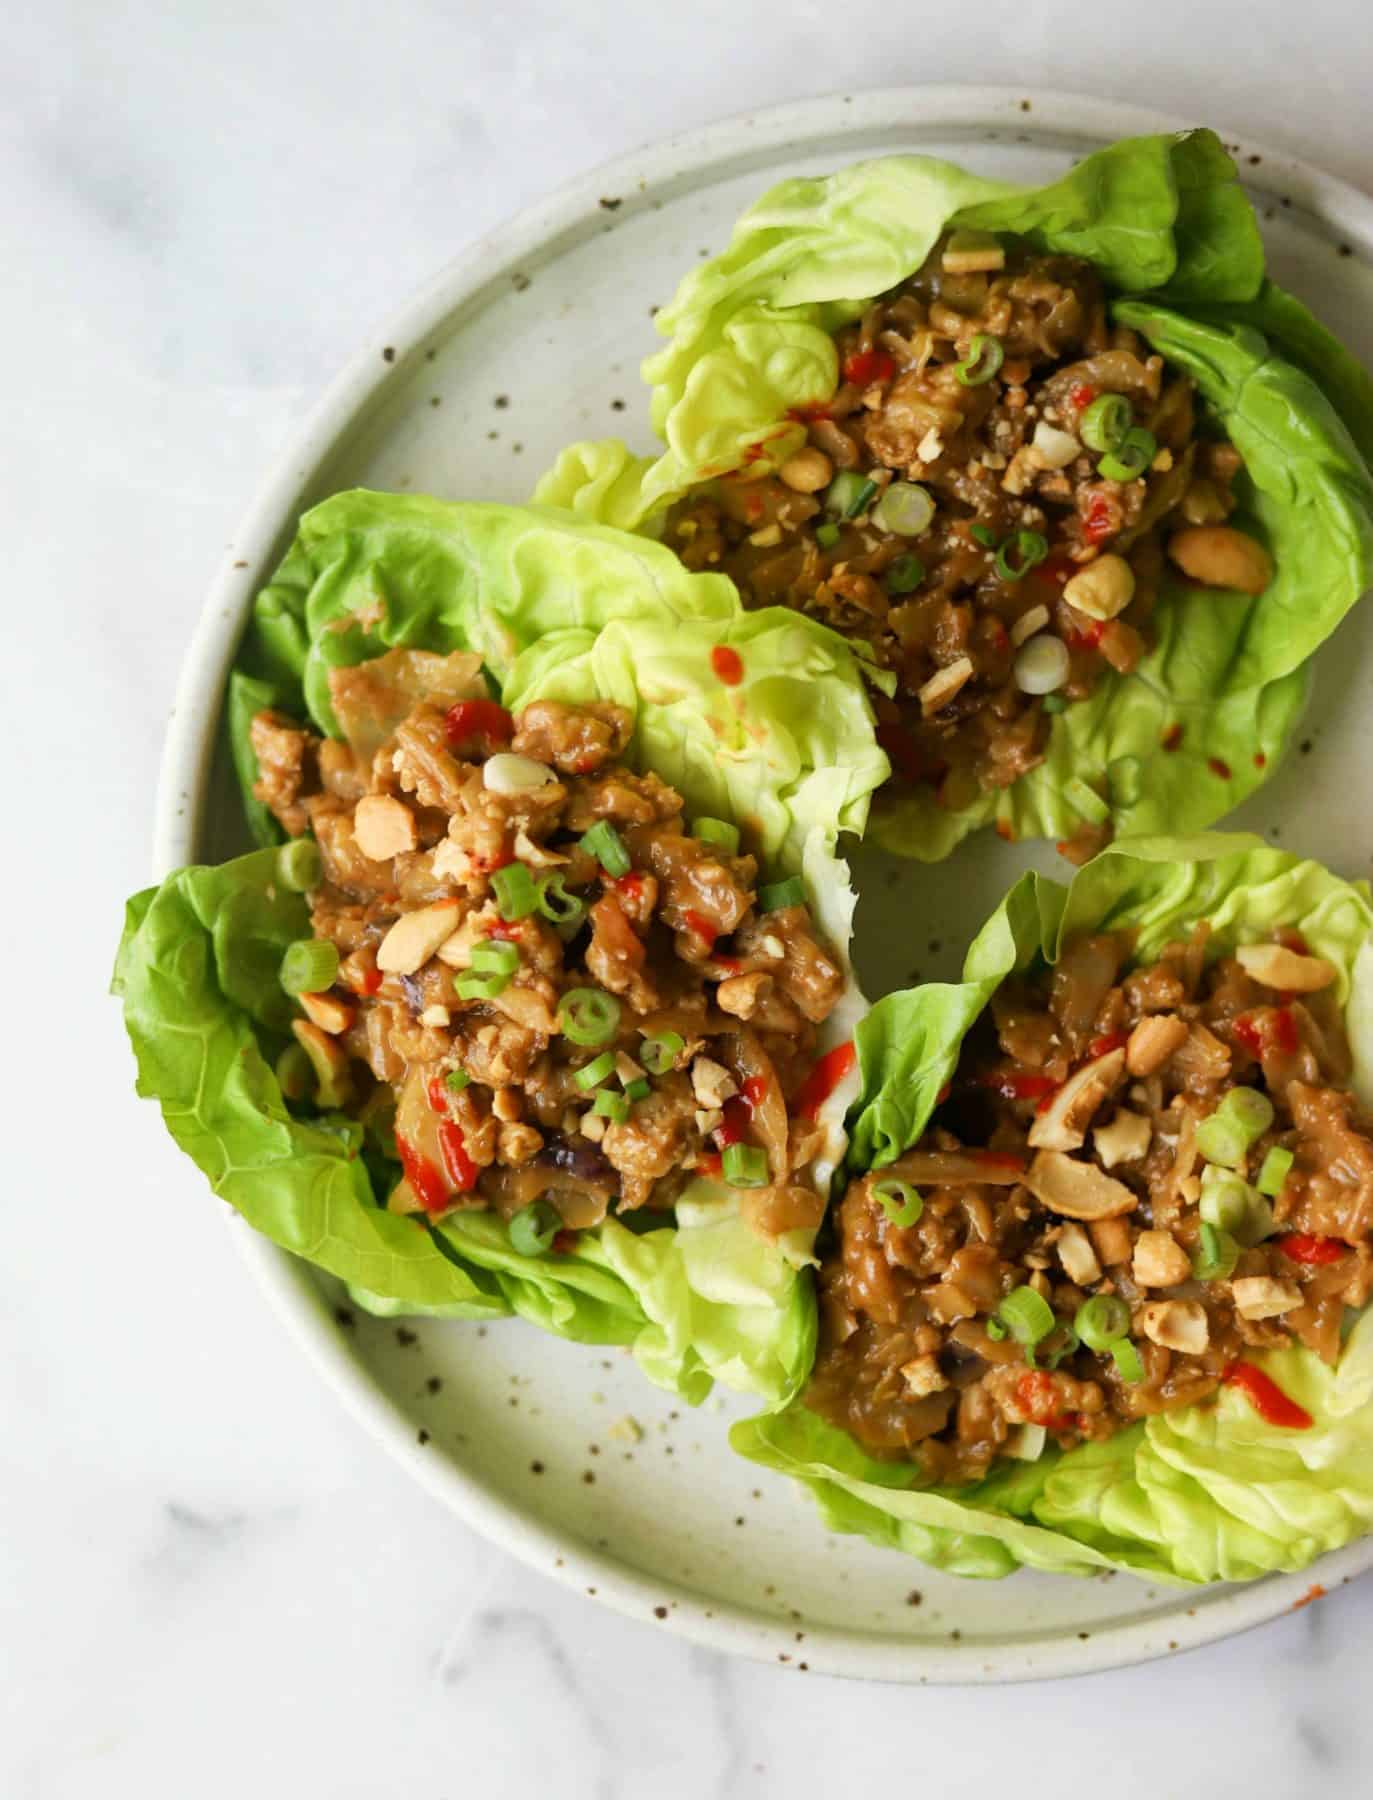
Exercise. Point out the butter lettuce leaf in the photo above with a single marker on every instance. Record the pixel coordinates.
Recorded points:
(1206, 1493)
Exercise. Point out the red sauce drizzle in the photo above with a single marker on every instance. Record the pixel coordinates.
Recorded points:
(1248, 1033)
(462, 1171)
(866, 366)
(1267, 1398)
(1172, 738)
(369, 982)
(823, 1079)
(998, 1159)
(423, 1177)
(701, 925)
(477, 719)
(1017, 1084)
(1285, 1033)
(437, 1094)
(1217, 767)
(727, 664)
(733, 1127)
(1299, 1247)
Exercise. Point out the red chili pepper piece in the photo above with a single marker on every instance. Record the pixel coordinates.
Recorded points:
(1104, 1045)
(631, 885)
(867, 366)
(1248, 1033)
(1081, 395)
(462, 1171)
(1267, 1398)
(727, 664)
(482, 719)
(423, 1177)
(1285, 1033)
(564, 1243)
(1300, 1247)
(1172, 738)
(701, 925)
(1100, 520)
(823, 1079)
(1037, 1397)
(1017, 1084)
(999, 1159)
(437, 1094)
(368, 983)
(709, 1162)
(755, 1090)
(1218, 767)
(733, 1127)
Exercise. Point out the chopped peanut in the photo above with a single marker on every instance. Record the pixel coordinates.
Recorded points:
(1177, 1325)
(923, 1376)
(328, 1012)
(1125, 1139)
(384, 827)
(1063, 1124)
(712, 1083)
(944, 684)
(1153, 1041)
(415, 936)
(1159, 1260)
(1261, 1297)
(1076, 1254)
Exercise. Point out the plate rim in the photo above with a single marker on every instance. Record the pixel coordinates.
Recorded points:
(701, 154)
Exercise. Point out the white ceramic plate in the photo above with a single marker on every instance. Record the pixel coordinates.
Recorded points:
(530, 340)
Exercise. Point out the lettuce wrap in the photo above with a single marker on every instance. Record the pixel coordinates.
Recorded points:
(1202, 721)
(555, 609)
(1206, 1493)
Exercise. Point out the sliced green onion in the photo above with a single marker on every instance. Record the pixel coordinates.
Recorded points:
(533, 1228)
(1061, 1343)
(1101, 1320)
(1026, 1315)
(1053, 703)
(846, 488)
(638, 1089)
(516, 894)
(996, 1331)
(588, 1016)
(556, 902)
(1224, 1199)
(294, 1072)
(827, 536)
(1221, 1140)
(905, 575)
(611, 1105)
(777, 894)
(456, 1080)
(299, 865)
(481, 987)
(985, 357)
(745, 1166)
(984, 535)
(717, 831)
(1216, 1259)
(1126, 1358)
(1258, 1221)
(1276, 1167)
(659, 1053)
(1019, 554)
(1131, 456)
(490, 958)
(608, 847)
(905, 509)
(902, 1203)
(1250, 1110)
(595, 1072)
(309, 966)
(1106, 422)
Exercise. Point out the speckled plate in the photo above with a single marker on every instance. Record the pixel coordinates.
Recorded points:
(564, 1455)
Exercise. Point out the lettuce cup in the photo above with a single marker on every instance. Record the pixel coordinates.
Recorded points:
(1098, 1296)
(1061, 461)
(537, 997)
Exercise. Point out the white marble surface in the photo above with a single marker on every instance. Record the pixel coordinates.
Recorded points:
(210, 1583)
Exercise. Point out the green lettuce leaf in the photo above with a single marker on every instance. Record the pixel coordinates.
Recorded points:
(1203, 1494)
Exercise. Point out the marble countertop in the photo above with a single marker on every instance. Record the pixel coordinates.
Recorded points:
(210, 1582)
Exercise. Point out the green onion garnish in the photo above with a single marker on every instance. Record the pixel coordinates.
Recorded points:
(902, 1203)
(996, 1331)
(638, 1089)
(608, 847)
(1220, 1139)
(1216, 1259)
(493, 958)
(1061, 1343)
(1053, 703)
(1126, 1358)
(516, 894)
(556, 902)
(827, 536)
(294, 1072)
(1251, 1110)
(985, 357)
(1131, 456)
(841, 492)
(905, 575)
(1101, 1320)
(456, 1080)
(1019, 554)
(717, 831)
(1276, 1167)
(587, 1016)
(1106, 422)
(299, 865)
(745, 1166)
(905, 509)
(594, 1073)
(777, 894)
(861, 500)
(1224, 1198)
(481, 987)
(984, 535)
(533, 1228)
(1027, 1315)
(611, 1105)
(659, 1052)
(309, 966)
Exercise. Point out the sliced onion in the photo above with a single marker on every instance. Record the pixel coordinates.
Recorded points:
(905, 509)
(1042, 665)
(1055, 448)
(506, 773)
